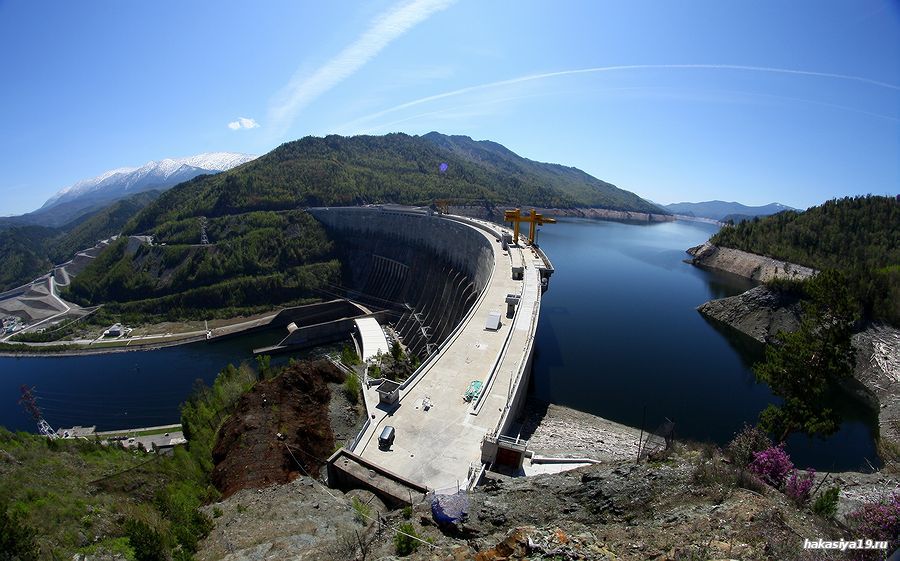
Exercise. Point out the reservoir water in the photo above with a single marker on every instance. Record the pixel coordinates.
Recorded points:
(618, 334)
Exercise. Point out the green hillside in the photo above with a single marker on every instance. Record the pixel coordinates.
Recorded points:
(859, 236)
(26, 252)
(22, 254)
(264, 251)
(395, 168)
(259, 258)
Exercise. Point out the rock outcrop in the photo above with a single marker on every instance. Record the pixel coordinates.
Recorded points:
(686, 506)
(878, 370)
(761, 312)
(750, 265)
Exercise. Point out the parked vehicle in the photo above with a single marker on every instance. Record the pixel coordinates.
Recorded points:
(387, 438)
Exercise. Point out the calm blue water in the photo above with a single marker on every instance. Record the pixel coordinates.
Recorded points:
(119, 390)
(619, 332)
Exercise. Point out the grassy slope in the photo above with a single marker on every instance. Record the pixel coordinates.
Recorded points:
(74, 490)
(255, 259)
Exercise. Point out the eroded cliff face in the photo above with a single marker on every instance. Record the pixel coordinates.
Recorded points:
(761, 312)
(750, 265)
(878, 370)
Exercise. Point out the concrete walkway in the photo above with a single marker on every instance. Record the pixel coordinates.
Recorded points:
(437, 447)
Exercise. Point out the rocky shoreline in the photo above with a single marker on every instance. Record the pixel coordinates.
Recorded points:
(554, 430)
(762, 312)
(749, 265)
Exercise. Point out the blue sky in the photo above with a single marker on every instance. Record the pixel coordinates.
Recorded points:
(755, 101)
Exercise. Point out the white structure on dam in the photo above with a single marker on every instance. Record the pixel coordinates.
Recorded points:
(443, 440)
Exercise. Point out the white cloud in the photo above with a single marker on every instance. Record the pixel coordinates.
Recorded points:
(354, 125)
(243, 123)
(387, 27)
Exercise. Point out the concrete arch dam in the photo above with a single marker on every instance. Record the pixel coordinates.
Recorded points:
(469, 306)
(425, 272)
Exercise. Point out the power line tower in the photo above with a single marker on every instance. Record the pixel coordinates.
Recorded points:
(203, 239)
(29, 403)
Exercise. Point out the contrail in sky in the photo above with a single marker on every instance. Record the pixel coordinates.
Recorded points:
(302, 90)
(536, 77)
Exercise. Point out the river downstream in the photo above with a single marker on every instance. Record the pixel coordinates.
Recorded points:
(122, 389)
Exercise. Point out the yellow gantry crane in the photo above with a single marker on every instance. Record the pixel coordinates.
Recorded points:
(533, 218)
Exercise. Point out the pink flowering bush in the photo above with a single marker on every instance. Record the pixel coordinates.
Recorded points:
(878, 521)
(772, 465)
(799, 486)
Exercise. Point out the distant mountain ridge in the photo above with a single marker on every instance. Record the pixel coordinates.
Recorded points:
(721, 210)
(156, 173)
(394, 168)
(92, 194)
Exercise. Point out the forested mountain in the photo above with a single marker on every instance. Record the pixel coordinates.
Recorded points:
(260, 258)
(22, 254)
(26, 252)
(395, 168)
(721, 210)
(859, 236)
(264, 251)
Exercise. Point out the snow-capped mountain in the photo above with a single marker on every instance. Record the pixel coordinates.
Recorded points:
(162, 174)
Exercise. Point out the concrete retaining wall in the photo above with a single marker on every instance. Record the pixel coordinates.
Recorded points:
(449, 241)
(426, 270)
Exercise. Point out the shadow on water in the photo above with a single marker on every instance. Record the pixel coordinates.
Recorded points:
(619, 331)
(859, 421)
(748, 349)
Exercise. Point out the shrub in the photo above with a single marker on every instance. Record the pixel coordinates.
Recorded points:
(826, 503)
(749, 440)
(407, 512)
(406, 539)
(362, 511)
(746, 480)
(348, 356)
(16, 538)
(352, 387)
(799, 486)
(772, 465)
(146, 542)
(878, 521)
(712, 473)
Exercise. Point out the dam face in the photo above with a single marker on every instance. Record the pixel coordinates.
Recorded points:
(426, 271)
(469, 305)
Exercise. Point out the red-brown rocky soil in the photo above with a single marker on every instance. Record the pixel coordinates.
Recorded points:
(250, 454)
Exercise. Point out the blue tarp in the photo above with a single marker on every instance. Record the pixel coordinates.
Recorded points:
(448, 509)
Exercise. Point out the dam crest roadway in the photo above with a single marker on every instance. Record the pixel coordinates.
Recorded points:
(443, 440)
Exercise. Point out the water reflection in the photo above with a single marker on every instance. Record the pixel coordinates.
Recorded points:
(619, 331)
